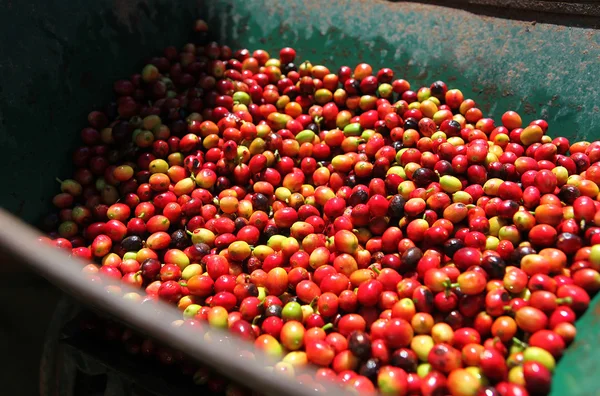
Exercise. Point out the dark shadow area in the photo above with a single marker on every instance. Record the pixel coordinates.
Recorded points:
(28, 305)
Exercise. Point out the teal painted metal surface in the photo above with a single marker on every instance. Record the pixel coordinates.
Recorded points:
(59, 60)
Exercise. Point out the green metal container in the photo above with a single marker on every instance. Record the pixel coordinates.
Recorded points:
(59, 59)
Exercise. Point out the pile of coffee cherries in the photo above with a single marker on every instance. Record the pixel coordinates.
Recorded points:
(391, 235)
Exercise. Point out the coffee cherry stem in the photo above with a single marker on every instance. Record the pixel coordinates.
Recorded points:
(448, 285)
(564, 301)
(313, 303)
(519, 343)
(375, 269)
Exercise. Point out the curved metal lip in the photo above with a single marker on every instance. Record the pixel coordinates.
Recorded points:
(19, 240)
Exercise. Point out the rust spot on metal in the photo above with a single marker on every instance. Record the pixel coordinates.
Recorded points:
(592, 37)
(283, 28)
(490, 89)
(596, 310)
(529, 108)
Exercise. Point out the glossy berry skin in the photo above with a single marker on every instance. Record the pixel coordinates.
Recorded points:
(537, 378)
(398, 333)
(359, 343)
(444, 358)
(392, 381)
(320, 353)
(368, 292)
(170, 291)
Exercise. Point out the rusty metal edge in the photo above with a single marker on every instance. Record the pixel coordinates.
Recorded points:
(536, 8)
